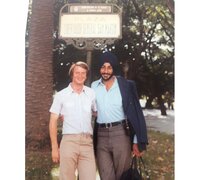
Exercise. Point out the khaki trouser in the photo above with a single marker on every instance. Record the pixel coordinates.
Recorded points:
(76, 152)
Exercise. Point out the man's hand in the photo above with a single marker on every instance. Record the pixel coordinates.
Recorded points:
(61, 117)
(94, 113)
(55, 155)
(136, 151)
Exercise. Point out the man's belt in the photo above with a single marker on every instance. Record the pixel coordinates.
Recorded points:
(112, 124)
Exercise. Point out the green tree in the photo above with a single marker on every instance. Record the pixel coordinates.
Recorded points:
(147, 46)
(148, 38)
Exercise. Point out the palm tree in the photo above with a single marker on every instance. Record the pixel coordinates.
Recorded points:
(39, 75)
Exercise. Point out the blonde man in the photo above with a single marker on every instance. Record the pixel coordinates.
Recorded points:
(76, 103)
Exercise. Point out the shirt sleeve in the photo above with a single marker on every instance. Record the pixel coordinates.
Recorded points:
(56, 105)
(135, 139)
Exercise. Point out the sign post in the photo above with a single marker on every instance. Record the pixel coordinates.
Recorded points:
(90, 26)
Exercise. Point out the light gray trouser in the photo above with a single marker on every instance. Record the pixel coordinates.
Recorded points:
(113, 152)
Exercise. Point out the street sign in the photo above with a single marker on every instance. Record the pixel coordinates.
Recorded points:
(90, 26)
(90, 21)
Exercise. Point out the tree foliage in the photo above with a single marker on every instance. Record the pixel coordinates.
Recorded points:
(147, 47)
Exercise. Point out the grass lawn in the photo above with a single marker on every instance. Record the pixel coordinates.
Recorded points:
(159, 159)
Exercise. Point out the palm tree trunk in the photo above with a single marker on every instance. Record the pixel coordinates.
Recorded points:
(39, 74)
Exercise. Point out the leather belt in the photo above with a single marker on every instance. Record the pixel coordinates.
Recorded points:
(112, 124)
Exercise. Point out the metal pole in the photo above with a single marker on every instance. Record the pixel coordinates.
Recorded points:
(88, 61)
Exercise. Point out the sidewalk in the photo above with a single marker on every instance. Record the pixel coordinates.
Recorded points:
(157, 122)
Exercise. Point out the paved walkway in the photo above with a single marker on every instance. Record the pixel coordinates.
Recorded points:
(160, 123)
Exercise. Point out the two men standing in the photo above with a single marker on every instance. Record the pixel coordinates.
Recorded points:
(120, 124)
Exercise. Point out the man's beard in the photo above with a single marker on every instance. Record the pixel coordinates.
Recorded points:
(106, 78)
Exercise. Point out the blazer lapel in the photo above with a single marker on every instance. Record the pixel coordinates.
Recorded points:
(123, 89)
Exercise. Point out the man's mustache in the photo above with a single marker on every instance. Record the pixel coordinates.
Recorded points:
(106, 74)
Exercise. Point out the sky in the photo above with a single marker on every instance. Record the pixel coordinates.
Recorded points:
(190, 89)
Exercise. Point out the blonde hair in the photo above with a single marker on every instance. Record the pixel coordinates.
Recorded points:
(80, 64)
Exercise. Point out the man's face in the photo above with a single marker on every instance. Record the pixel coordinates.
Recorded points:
(106, 71)
(79, 75)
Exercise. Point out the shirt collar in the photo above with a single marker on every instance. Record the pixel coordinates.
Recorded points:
(72, 91)
(102, 84)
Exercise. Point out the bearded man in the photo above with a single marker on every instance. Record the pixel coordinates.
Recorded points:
(120, 126)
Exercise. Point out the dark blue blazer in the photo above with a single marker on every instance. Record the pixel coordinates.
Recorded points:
(133, 111)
